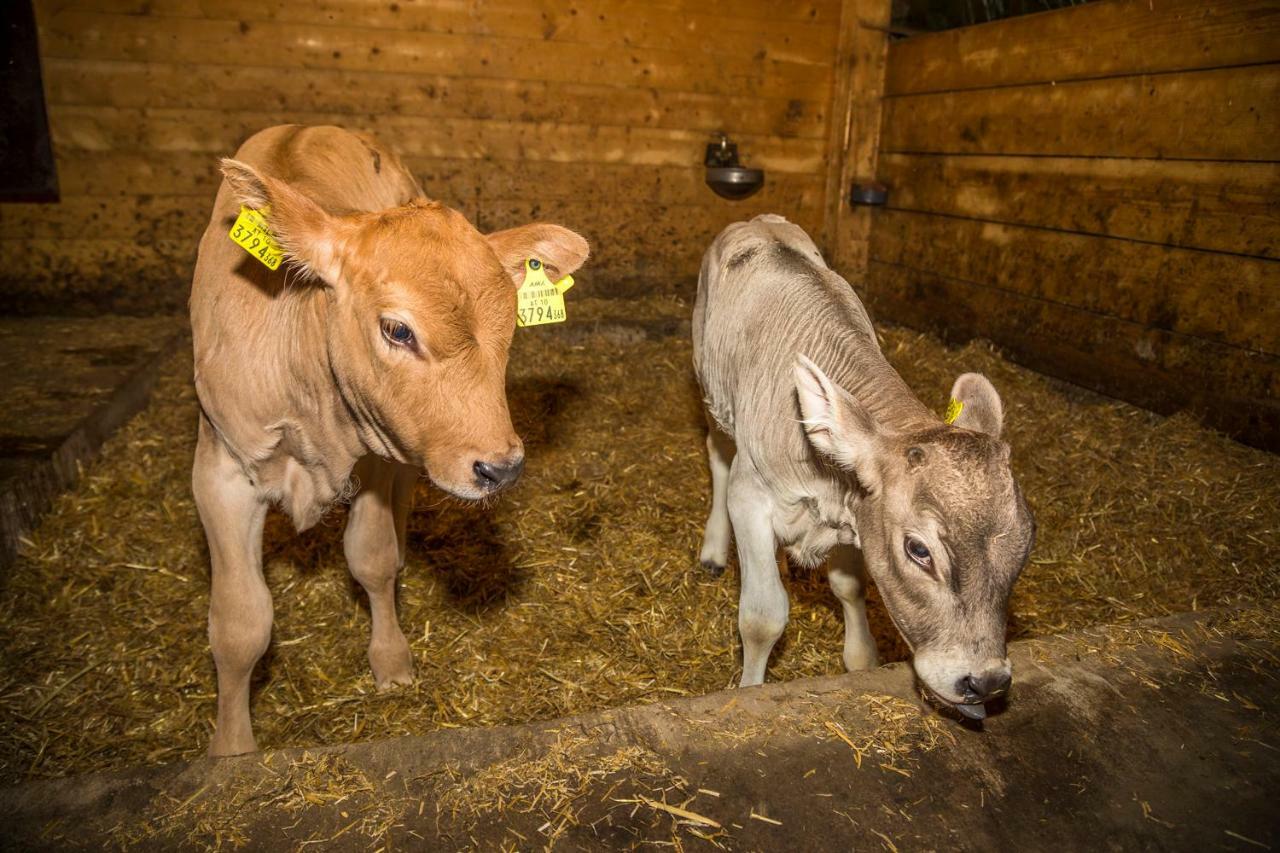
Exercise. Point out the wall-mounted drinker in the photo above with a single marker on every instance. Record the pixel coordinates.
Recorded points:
(726, 178)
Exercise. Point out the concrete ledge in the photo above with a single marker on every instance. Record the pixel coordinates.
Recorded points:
(1158, 736)
(67, 384)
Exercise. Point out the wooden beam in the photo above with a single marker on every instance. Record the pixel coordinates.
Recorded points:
(1224, 298)
(1220, 206)
(358, 94)
(219, 132)
(86, 35)
(854, 138)
(1222, 114)
(1102, 39)
(1232, 389)
(554, 26)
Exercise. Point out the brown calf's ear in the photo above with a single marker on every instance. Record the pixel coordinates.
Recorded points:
(560, 249)
(837, 425)
(981, 409)
(311, 238)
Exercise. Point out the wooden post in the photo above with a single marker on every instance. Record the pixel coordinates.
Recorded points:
(853, 138)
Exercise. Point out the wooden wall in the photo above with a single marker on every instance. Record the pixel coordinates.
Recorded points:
(590, 113)
(1097, 190)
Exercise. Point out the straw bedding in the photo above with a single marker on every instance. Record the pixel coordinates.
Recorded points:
(579, 590)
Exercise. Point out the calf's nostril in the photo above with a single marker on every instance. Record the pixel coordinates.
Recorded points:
(983, 687)
(491, 476)
(1000, 684)
(485, 473)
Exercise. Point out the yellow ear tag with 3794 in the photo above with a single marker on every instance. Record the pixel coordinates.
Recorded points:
(252, 234)
(540, 300)
(954, 408)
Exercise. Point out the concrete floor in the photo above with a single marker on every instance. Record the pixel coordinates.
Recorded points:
(1156, 737)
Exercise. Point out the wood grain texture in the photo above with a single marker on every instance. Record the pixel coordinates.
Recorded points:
(855, 132)
(148, 38)
(594, 113)
(1231, 389)
(1222, 114)
(550, 25)
(1223, 298)
(234, 88)
(1220, 206)
(217, 132)
(1102, 39)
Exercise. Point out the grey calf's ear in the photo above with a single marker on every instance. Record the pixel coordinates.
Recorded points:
(836, 425)
(982, 410)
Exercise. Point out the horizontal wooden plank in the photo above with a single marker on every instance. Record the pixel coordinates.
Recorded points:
(74, 34)
(553, 25)
(456, 182)
(120, 175)
(101, 275)
(1226, 207)
(1111, 38)
(218, 132)
(1225, 298)
(1234, 390)
(78, 82)
(1226, 114)
(635, 249)
(133, 173)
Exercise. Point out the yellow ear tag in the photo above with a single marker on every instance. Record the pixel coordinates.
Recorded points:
(254, 236)
(540, 300)
(954, 408)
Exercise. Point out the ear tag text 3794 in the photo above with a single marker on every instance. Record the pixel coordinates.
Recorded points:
(252, 234)
(540, 300)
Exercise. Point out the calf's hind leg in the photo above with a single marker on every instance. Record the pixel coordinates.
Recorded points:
(374, 545)
(715, 537)
(763, 606)
(848, 578)
(239, 601)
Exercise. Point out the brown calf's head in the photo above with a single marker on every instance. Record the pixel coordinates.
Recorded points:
(943, 527)
(420, 313)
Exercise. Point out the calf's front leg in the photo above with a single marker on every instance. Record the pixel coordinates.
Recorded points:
(763, 606)
(240, 603)
(848, 578)
(374, 545)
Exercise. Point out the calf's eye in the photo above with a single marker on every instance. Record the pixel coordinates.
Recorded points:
(918, 552)
(397, 333)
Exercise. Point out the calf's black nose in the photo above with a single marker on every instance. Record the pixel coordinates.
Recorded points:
(979, 688)
(492, 476)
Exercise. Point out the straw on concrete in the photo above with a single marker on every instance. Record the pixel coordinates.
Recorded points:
(580, 590)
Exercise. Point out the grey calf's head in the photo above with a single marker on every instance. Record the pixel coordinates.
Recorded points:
(943, 526)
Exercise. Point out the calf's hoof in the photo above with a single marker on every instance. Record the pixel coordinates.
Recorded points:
(226, 747)
(713, 568)
(860, 662)
(392, 665)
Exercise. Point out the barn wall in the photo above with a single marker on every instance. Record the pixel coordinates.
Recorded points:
(590, 113)
(1097, 190)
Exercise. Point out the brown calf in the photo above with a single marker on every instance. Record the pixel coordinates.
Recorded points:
(377, 350)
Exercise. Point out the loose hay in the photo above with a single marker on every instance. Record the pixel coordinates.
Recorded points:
(580, 590)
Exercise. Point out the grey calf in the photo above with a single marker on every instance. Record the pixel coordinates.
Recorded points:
(817, 444)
